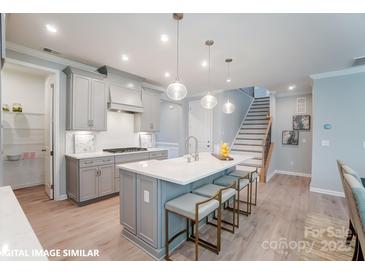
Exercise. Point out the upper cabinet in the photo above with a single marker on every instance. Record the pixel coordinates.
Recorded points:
(86, 100)
(149, 119)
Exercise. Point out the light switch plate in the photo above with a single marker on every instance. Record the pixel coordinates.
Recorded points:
(363, 144)
(325, 143)
(304, 140)
(146, 196)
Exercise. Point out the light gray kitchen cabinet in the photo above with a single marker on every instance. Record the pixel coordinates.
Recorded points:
(89, 179)
(147, 209)
(86, 100)
(128, 189)
(149, 119)
(106, 180)
(88, 183)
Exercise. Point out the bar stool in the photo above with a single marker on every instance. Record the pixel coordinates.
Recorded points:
(240, 186)
(194, 208)
(226, 193)
(252, 175)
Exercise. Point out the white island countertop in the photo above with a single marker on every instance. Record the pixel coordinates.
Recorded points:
(17, 238)
(179, 171)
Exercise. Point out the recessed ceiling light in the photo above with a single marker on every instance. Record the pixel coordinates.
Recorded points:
(228, 80)
(167, 74)
(130, 85)
(51, 28)
(204, 64)
(164, 38)
(125, 57)
(292, 87)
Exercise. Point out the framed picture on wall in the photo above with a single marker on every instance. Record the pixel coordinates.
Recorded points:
(290, 137)
(301, 122)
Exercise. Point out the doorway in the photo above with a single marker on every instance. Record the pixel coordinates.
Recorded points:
(200, 125)
(28, 127)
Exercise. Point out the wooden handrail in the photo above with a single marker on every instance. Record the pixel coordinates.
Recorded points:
(266, 151)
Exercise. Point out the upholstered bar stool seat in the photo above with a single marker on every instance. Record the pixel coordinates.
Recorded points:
(194, 208)
(210, 190)
(185, 206)
(227, 192)
(241, 183)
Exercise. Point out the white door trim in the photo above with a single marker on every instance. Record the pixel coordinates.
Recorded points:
(56, 120)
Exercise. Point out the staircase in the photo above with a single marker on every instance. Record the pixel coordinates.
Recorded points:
(254, 137)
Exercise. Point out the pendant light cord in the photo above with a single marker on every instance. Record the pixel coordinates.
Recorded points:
(209, 69)
(177, 50)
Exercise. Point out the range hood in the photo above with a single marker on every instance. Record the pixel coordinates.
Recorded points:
(122, 97)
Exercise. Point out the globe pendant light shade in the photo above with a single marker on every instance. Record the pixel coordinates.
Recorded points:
(228, 107)
(176, 91)
(208, 101)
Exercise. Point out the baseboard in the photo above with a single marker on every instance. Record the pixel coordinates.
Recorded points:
(327, 191)
(293, 173)
(270, 176)
(25, 186)
(61, 197)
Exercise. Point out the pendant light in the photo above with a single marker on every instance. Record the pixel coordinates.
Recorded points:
(228, 107)
(176, 90)
(209, 101)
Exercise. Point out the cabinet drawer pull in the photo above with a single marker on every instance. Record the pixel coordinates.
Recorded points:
(89, 162)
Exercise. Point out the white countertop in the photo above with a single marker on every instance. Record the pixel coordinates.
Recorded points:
(98, 154)
(17, 237)
(179, 171)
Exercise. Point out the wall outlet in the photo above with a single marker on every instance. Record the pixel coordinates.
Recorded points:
(304, 140)
(146, 196)
(325, 143)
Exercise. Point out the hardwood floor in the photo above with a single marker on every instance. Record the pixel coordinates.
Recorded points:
(283, 205)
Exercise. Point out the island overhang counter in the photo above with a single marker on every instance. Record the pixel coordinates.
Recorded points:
(146, 186)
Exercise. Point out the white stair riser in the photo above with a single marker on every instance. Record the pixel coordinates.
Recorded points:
(251, 136)
(249, 142)
(255, 155)
(253, 131)
(259, 117)
(253, 162)
(254, 126)
(258, 113)
(247, 148)
(256, 122)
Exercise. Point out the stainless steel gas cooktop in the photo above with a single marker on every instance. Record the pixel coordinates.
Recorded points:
(124, 149)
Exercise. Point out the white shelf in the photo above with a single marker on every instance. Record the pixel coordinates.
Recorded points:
(20, 128)
(24, 113)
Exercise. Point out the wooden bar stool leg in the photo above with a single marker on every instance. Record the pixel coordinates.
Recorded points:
(167, 257)
(219, 230)
(196, 238)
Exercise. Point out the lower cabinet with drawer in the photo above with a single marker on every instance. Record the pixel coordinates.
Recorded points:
(89, 179)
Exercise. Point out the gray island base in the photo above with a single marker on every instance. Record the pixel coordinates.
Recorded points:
(146, 186)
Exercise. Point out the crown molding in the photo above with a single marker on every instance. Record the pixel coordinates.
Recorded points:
(336, 73)
(48, 57)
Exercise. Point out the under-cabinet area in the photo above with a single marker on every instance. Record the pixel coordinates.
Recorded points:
(90, 179)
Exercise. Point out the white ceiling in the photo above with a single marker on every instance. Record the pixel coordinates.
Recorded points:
(270, 50)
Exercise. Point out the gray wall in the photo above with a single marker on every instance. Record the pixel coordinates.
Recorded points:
(290, 158)
(340, 101)
(225, 126)
(171, 124)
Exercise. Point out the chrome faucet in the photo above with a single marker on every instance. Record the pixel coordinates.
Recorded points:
(187, 148)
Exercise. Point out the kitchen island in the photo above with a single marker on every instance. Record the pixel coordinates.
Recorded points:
(146, 186)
